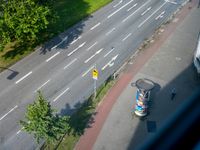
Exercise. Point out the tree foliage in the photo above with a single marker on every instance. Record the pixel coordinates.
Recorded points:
(22, 19)
(42, 122)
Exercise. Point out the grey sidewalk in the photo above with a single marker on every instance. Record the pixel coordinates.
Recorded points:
(170, 67)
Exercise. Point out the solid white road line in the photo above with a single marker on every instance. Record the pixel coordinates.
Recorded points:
(118, 3)
(119, 9)
(70, 63)
(75, 40)
(60, 94)
(146, 11)
(86, 61)
(110, 31)
(109, 52)
(42, 86)
(92, 46)
(132, 7)
(76, 49)
(52, 56)
(87, 71)
(160, 15)
(95, 26)
(23, 77)
(126, 37)
(8, 112)
(136, 11)
(151, 14)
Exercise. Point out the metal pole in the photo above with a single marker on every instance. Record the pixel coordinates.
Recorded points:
(95, 85)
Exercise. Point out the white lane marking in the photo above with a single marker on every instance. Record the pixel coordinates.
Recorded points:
(70, 63)
(75, 40)
(65, 38)
(160, 15)
(119, 9)
(87, 71)
(42, 86)
(95, 26)
(76, 49)
(110, 63)
(52, 56)
(132, 7)
(93, 55)
(151, 15)
(92, 46)
(18, 131)
(146, 11)
(126, 37)
(109, 52)
(60, 94)
(171, 2)
(23, 77)
(110, 31)
(8, 112)
(136, 11)
(118, 3)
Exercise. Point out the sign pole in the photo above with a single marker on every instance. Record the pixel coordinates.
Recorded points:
(95, 77)
(95, 86)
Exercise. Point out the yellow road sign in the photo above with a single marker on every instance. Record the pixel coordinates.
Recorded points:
(95, 74)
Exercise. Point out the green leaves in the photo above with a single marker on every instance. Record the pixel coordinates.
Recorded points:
(43, 123)
(22, 19)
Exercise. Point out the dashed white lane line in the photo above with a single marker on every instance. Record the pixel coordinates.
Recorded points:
(151, 15)
(70, 63)
(108, 52)
(23, 77)
(92, 46)
(75, 40)
(110, 31)
(110, 63)
(76, 49)
(87, 71)
(118, 3)
(97, 52)
(64, 39)
(52, 56)
(119, 9)
(8, 112)
(171, 2)
(95, 26)
(42, 86)
(61, 94)
(126, 37)
(136, 11)
(132, 7)
(18, 131)
(146, 11)
(160, 15)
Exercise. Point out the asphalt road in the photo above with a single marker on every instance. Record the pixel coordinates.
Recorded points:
(62, 68)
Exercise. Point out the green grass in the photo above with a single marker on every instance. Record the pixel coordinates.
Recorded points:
(82, 119)
(68, 13)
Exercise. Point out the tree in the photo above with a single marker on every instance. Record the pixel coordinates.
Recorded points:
(22, 20)
(43, 123)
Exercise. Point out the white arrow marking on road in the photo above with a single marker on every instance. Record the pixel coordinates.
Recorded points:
(52, 56)
(76, 49)
(136, 11)
(160, 16)
(60, 94)
(93, 55)
(146, 11)
(118, 4)
(87, 71)
(92, 46)
(95, 26)
(151, 15)
(75, 40)
(70, 63)
(119, 9)
(126, 37)
(42, 86)
(8, 112)
(110, 63)
(23, 77)
(109, 52)
(132, 7)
